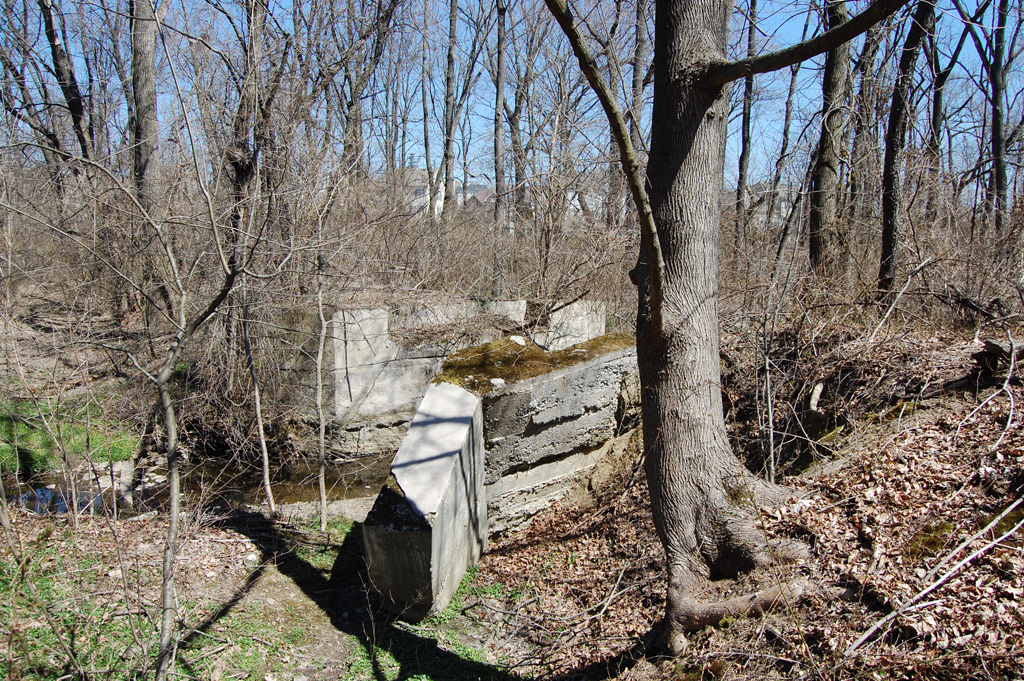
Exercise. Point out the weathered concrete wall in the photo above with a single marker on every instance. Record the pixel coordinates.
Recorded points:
(373, 374)
(544, 433)
(575, 323)
(378, 366)
(514, 499)
(429, 525)
(513, 309)
(550, 416)
(377, 376)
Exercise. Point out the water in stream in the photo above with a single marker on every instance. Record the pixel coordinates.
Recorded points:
(227, 483)
(52, 500)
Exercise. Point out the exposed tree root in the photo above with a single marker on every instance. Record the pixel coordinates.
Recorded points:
(733, 544)
(691, 615)
(694, 616)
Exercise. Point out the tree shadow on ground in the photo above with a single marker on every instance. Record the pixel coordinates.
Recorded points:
(353, 609)
(608, 668)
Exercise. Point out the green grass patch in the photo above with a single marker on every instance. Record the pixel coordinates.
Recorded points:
(36, 435)
(50, 604)
(246, 643)
(458, 602)
(424, 657)
(320, 549)
(372, 662)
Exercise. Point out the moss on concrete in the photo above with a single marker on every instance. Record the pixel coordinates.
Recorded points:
(475, 368)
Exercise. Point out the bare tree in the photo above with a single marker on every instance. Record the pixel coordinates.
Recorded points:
(824, 223)
(145, 128)
(67, 79)
(528, 38)
(457, 89)
(745, 121)
(922, 24)
(864, 152)
(933, 147)
(500, 188)
(697, 485)
(991, 43)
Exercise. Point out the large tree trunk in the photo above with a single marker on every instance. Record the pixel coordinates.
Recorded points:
(997, 78)
(425, 75)
(896, 141)
(499, 111)
(698, 487)
(825, 179)
(448, 150)
(145, 133)
(864, 155)
(64, 70)
(639, 72)
(145, 124)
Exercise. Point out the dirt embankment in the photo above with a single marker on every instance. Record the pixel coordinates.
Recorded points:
(901, 510)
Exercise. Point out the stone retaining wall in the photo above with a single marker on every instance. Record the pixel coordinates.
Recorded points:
(542, 435)
(378, 362)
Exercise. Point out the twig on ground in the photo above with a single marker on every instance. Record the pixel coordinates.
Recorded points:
(921, 594)
(970, 540)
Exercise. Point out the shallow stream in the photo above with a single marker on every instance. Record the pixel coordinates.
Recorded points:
(227, 483)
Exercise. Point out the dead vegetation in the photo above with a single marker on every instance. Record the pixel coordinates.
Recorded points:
(910, 506)
(482, 368)
(915, 573)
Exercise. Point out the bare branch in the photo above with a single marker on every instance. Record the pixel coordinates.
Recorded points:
(635, 177)
(725, 72)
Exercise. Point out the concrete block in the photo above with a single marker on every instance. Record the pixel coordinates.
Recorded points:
(373, 375)
(555, 415)
(290, 343)
(361, 350)
(373, 437)
(575, 323)
(429, 524)
(513, 309)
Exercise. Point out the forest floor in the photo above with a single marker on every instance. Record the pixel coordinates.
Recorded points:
(916, 571)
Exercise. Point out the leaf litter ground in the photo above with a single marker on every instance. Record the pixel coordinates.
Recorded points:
(897, 507)
(575, 594)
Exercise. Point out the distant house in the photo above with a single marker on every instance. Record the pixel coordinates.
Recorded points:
(758, 196)
(417, 193)
(482, 198)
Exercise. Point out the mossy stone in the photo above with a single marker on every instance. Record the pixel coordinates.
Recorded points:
(475, 368)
